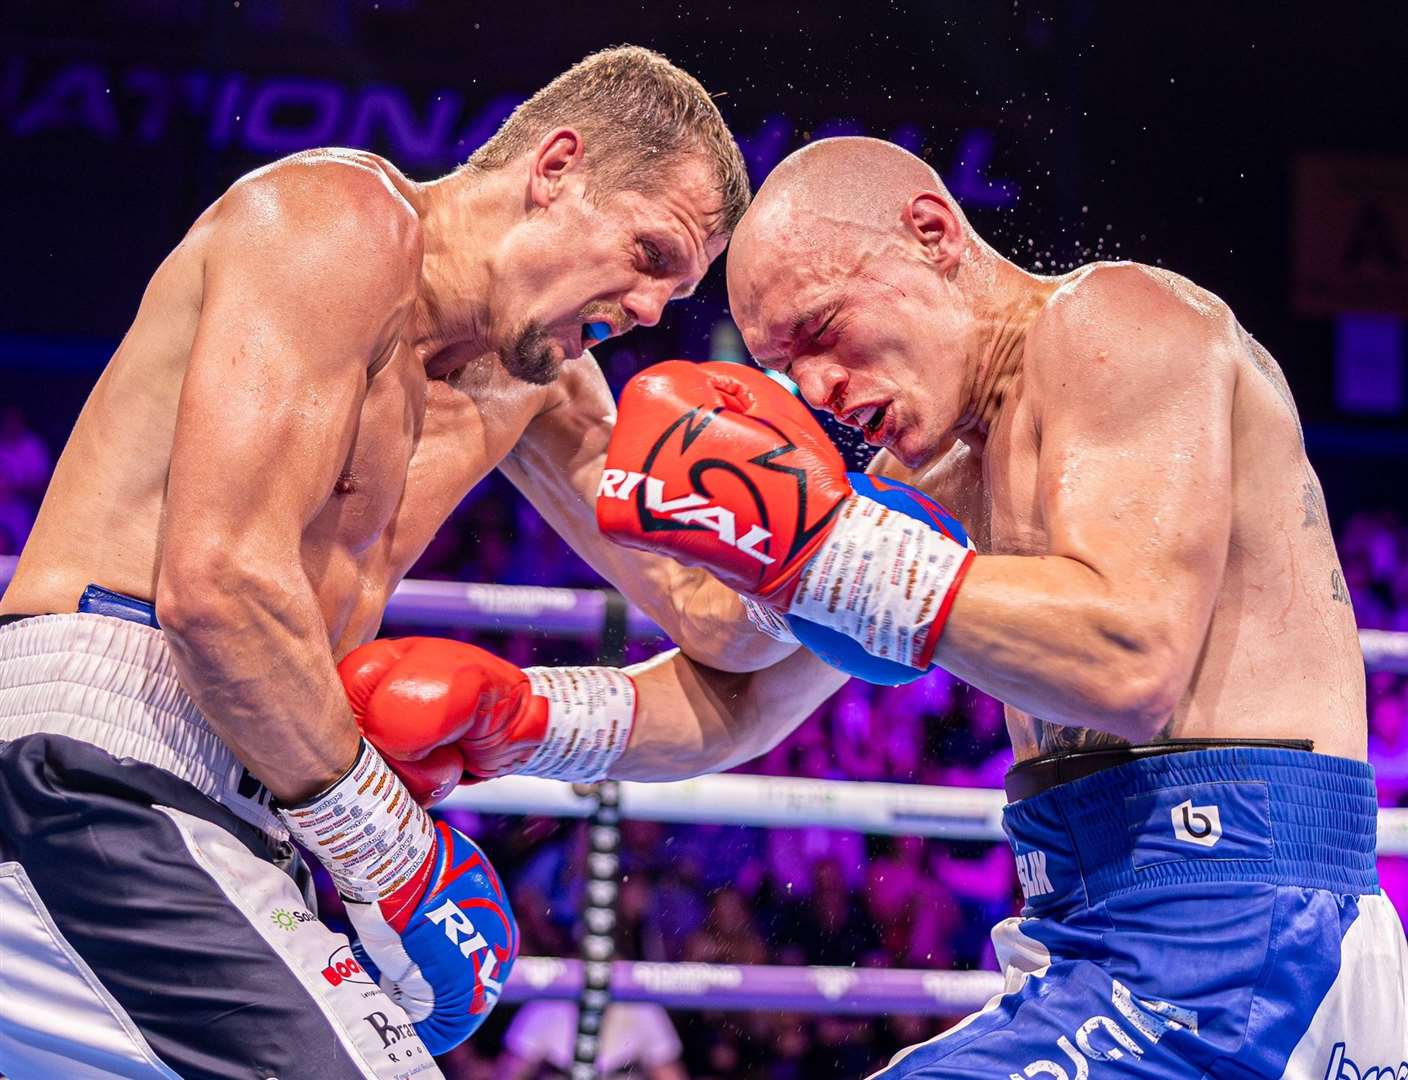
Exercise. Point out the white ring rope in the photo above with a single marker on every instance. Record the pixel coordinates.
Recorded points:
(875, 991)
(947, 813)
(580, 613)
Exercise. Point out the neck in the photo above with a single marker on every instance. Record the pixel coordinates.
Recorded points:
(464, 218)
(1010, 301)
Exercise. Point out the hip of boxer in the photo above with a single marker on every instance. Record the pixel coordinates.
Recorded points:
(105, 676)
(154, 919)
(1211, 913)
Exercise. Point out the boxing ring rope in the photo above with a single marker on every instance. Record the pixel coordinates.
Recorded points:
(740, 799)
(583, 613)
(828, 990)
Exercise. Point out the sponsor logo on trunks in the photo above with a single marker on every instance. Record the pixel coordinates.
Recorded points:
(1343, 1068)
(391, 1033)
(692, 509)
(1031, 874)
(1201, 825)
(289, 920)
(1105, 1038)
(343, 967)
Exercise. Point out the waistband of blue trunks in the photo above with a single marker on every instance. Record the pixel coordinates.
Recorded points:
(1035, 775)
(1248, 813)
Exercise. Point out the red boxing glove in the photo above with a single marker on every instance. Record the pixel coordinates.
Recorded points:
(437, 709)
(719, 466)
(444, 711)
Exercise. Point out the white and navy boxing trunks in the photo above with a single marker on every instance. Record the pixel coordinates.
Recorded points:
(1206, 914)
(154, 919)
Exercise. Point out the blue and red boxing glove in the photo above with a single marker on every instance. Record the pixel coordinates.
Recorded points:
(719, 467)
(845, 653)
(435, 926)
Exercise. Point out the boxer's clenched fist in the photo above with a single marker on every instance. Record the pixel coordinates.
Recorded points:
(443, 711)
(719, 467)
(438, 709)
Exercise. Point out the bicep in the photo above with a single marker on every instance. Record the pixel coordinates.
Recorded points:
(1135, 472)
(275, 378)
(557, 461)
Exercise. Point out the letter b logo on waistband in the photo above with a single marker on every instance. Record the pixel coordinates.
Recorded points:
(1197, 824)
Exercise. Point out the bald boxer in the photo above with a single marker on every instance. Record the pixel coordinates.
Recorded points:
(1156, 597)
(327, 363)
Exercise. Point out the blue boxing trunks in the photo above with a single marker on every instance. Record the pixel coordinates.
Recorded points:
(1206, 914)
(154, 920)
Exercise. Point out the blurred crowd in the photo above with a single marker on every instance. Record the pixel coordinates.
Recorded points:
(719, 894)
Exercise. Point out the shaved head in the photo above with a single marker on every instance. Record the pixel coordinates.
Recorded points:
(840, 183)
(847, 192)
(856, 273)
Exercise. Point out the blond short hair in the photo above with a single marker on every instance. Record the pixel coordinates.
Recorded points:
(639, 116)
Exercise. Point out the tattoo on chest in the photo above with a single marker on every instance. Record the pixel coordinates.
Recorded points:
(1317, 514)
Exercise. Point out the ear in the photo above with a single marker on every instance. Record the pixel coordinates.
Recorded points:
(932, 220)
(552, 162)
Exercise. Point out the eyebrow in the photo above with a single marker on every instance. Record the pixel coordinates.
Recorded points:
(805, 319)
(678, 258)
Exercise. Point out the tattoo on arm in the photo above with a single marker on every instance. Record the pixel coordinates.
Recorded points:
(1271, 371)
(1338, 590)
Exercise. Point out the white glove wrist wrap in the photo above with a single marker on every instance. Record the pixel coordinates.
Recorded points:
(366, 829)
(768, 621)
(884, 579)
(590, 714)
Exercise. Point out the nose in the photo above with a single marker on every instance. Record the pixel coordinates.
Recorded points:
(820, 381)
(646, 302)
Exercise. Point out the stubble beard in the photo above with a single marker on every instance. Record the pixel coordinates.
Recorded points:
(533, 357)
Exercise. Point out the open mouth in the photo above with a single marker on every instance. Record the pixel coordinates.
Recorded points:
(595, 332)
(870, 419)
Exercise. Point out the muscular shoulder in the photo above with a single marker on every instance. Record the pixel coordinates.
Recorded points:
(1124, 314)
(341, 203)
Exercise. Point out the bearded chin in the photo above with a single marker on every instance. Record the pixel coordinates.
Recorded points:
(532, 358)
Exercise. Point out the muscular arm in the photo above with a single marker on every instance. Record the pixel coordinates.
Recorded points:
(557, 465)
(309, 271)
(692, 719)
(1132, 386)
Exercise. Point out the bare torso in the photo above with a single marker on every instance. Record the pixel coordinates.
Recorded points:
(1281, 656)
(417, 446)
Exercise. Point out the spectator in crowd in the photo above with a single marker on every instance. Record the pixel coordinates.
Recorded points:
(638, 1042)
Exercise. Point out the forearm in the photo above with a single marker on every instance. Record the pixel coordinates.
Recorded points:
(252, 650)
(692, 719)
(1049, 636)
(705, 618)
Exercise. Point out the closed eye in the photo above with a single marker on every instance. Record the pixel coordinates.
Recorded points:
(655, 259)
